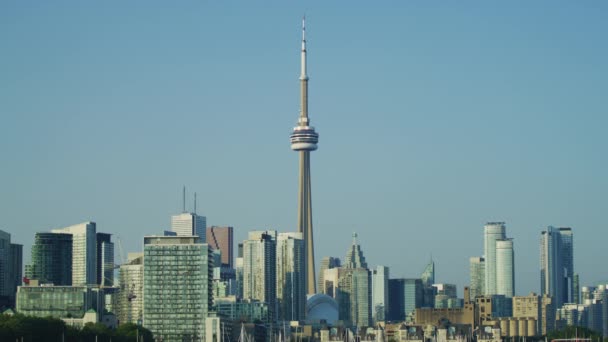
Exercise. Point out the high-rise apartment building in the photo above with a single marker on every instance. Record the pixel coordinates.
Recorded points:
(238, 271)
(304, 140)
(291, 288)
(505, 269)
(84, 252)
(222, 238)
(326, 263)
(260, 268)
(177, 293)
(11, 265)
(189, 224)
(493, 231)
(477, 277)
(131, 294)
(105, 259)
(51, 260)
(557, 265)
(380, 299)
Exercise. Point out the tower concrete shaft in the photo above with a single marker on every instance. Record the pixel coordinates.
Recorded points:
(303, 140)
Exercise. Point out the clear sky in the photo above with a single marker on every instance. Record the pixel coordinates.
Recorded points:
(433, 119)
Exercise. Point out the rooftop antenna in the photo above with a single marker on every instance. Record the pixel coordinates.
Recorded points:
(195, 203)
(184, 200)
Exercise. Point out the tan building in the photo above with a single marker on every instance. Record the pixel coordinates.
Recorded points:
(535, 307)
(222, 238)
(464, 315)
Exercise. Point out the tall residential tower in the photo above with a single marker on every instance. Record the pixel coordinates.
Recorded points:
(557, 265)
(304, 140)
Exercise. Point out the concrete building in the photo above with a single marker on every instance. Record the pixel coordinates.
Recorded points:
(51, 259)
(304, 140)
(535, 307)
(177, 293)
(557, 265)
(259, 268)
(11, 266)
(326, 263)
(380, 299)
(505, 268)
(493, 231)
(131, 295)
(429, 316)
(105, 259)
(477, 276)
(222, 238)
(189, 224)
(291, 288)
(84, 252)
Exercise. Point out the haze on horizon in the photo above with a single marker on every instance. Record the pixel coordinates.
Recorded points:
(433, 119)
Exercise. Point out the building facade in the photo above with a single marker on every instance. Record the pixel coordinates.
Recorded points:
(131, 294)
(477, 276)
(84, 252)
(222, 238)
(380, 299)
(291, 287)
(11, 265)
(105, 259)
(493, 231)
(177, 293)
(260, 268)
(189, 224)
(557, 265)
(505, 268)
(51, 259)
(326, 263)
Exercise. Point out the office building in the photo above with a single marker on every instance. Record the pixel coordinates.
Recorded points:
(11, 265)
(105, 260)
(493, 231)
(557, 265)
(354, 256)
(177, 293)
(84, 252)
(260, 268)
(131, 295)
(405, 296)
(428, 275)
(222, 238)
(51, 259)
(291, 288)
(238, 272)
(354, 296)
(304, 140)
(505, 269)
(380, 299)
(326, 263)
(477, 277)
(189, 224)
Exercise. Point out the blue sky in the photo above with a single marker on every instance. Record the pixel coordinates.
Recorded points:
(433, 119)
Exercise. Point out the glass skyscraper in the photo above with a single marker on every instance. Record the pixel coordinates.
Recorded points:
(477, 277)
(177, 292)
(380, 299)
(291, 290)
(557, 265)
(492, 231)
(260, 268)
(105, 260)
(51, 259)
(84, 252)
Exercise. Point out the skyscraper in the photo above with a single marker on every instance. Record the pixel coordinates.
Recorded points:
(131, 295)
(505, 270)
(557, 265)
(492, 231)
(105, 259)
(428, 275)
(326, 264)
(354, 256)
(477, 277)
(189, 224)
(380, 299)
(304, 140)
(222, 238)
(177, 292)
(291, 291)
(51, 259)
(84, 252)
(11, 260)
(260, 268)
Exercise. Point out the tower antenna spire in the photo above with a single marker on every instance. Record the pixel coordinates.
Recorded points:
(195, 203)
(184, 200)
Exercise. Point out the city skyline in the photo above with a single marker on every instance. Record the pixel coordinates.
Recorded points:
(447, 143)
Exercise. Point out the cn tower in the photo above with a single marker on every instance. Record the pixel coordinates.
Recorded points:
(304, 140)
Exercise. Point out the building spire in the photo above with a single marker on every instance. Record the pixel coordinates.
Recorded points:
(303, 74)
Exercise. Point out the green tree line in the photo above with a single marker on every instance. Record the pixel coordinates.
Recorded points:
(33, 329)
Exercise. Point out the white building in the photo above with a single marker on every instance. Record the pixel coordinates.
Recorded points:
(380, 302)
(259, 268)
(492, 231)
(505, 268)
(291, 288)
(189, 224)
(84, 252)
(131, 281)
